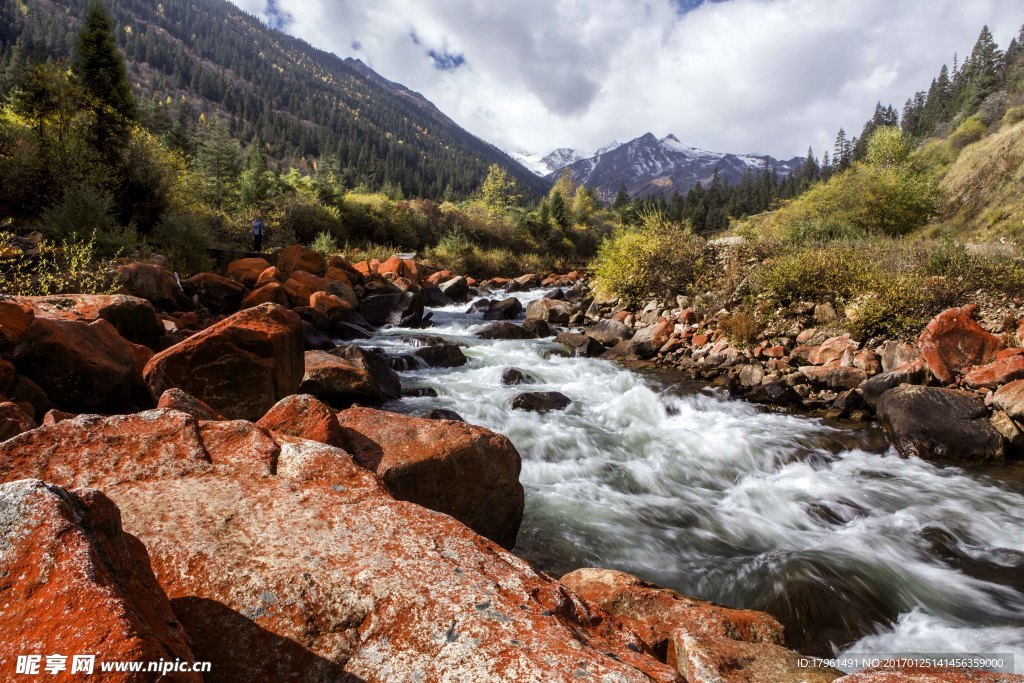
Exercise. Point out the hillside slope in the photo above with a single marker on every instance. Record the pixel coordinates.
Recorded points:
(189, 57)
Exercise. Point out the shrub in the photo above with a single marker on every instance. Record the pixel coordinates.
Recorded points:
(324, 244)
(741, 327)
(1013, 115)
(67, 266)
(833, 273)
(656, 258)
(970, 131)
(83, 209)
(184, 239)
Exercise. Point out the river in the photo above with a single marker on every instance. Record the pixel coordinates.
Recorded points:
(854, 548)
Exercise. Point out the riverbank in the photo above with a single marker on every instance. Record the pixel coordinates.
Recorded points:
(604, 477)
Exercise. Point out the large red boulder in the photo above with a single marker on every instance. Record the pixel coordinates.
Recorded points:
(247, 270)
(468, 472)
(240, 366)
(14, 420)
(153, 283)
(270, 293)
(83, 366)
(286, 561)
(338, 381)
(996, 373)
(704, 642)
(297, 257)
(75, 583)
(134, 319)
(953, 342)
(217, 294)
(306, 417)
(302, 285)
(15, 319)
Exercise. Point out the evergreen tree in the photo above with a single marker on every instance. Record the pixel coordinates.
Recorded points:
(621, 198)
(256, 180)
(100, 70)
(218, 161)
(983, 70)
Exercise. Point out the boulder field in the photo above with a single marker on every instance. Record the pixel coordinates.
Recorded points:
(189, 472)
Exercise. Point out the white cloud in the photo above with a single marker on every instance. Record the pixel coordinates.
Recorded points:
(767, 76)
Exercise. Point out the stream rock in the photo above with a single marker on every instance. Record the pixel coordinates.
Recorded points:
(704, 642)
(910, 373)
(505, 330)
(515, 376)
(550, 311)
(152, 283)
(541, 401)
(468, 472)
(217, 294)
(506, 309)
(610, 332)
(376, 364)
(74, 582)
(337, 381)
(939, 424)
(240, 366)
(441, 355)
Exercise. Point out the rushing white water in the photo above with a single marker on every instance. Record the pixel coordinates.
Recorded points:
(854, 548)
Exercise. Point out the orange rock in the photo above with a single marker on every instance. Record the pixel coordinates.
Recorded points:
(299, 258)
(953, 342)
(309, 570)
(774, 352)
(304, 416)
(269, 275)
(152, 283)
(302, 285)
(15, 319)
(176, 399)
(273, 292)
(52, 417)
(240, 366)
(83, 366)
(329, 304)
(247, 270)
(134, 319)
(832, 350)
(996, 373)
(74, 583)
(463, 470)
(704, 642)
(363, 268)
(337, 381)
(14, 420)
(333, 274)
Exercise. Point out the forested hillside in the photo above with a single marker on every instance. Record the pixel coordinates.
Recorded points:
(191, 61)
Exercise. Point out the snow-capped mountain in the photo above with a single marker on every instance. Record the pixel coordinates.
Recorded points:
(649, 166)
(546, 165)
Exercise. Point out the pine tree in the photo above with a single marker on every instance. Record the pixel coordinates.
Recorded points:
(982, 74)
(256, 180)
(621, 198)
(218, 161)
(100, 70)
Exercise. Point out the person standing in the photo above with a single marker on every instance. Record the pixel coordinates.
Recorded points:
(258, 227)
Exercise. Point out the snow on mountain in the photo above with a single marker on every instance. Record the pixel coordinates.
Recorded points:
(648, 166)
(551, 163)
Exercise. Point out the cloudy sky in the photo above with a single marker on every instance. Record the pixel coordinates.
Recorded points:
(764, 76)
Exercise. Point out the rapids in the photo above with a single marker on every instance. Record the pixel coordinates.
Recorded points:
(854, 548)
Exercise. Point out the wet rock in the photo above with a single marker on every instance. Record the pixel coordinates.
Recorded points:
(996, 373)
(441, 355)
(376, 364)
(436, 298)
(704, 642)
(443, 414)
(580, 345)
(240, 366)
(299, 566)
(515, 376)
(506, 309)
(953, 342)
(465, 471)
(134, 319)
(217, 294)
(778, 392)
(550, 311)
(247, 270)
(176, 399)
(14, 420)
(909, 373)
(157, 285)
(306, 417)
(315, 339)
(538, 327)
(505, 330)
(420, 392)
(298, 258)
(939, 424)
(610, 332)
(337, 381)
(847, 402)
(74, 582)
(84, 366)
(541, 401)
(456, 289)
(403, 309)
